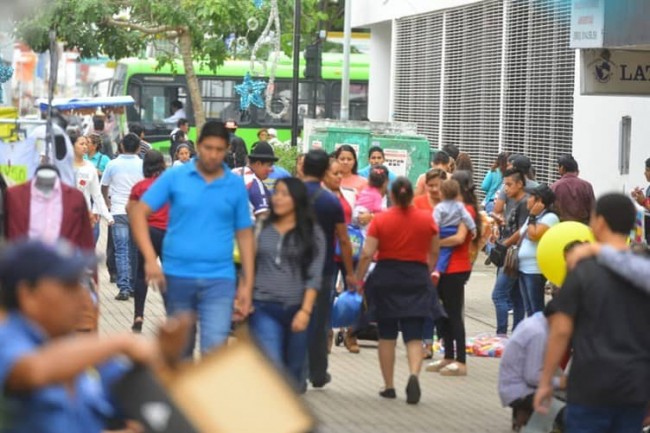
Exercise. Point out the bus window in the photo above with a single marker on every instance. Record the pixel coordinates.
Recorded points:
(282, 92)
(156, 102)
(358, 100)
(220, 101)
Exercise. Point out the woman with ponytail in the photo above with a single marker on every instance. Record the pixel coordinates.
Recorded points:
(405, 241)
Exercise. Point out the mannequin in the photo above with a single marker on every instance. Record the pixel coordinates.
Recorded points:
(45, 180)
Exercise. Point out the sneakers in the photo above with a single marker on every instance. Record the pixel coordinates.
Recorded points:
(413, 392)
(122, 296)
(454, 369)
(438, 365)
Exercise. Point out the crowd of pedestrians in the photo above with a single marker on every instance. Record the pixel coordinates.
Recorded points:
(216, 241)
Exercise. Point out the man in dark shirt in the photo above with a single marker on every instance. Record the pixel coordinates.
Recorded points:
(329, 214)
(574, 197)
(607, 322)
(237, 152)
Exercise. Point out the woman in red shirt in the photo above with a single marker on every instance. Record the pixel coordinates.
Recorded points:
(153, 166)
(432, 180)
(451, 286)
(399, 288)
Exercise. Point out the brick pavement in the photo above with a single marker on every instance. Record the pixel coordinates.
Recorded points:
(350, 403)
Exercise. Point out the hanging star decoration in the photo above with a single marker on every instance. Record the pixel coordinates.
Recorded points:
(5, 74)
(258, 3)
(250, 92)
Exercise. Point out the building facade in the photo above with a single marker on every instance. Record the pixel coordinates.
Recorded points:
(496, 75)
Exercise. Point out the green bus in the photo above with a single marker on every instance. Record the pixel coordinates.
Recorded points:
(153, 90)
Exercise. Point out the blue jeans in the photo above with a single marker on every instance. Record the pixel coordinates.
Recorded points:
(211, 299)
(319, 326)
(506, 294)
(532, 291)
(96, 232)
(604, 419)
(271, 326)
(126, 254)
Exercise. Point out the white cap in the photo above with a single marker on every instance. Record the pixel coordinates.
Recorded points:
(272, 132)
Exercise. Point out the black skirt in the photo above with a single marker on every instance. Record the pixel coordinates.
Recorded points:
(397, 289)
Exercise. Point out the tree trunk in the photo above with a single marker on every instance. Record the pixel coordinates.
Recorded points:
(185, 42)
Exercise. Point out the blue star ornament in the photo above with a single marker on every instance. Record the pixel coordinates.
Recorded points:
(5, 74)
(250, 92)
(258, 3)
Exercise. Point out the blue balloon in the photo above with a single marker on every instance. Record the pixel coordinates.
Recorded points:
(346, 309)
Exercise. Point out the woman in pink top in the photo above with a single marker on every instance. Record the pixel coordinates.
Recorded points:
(347, 157)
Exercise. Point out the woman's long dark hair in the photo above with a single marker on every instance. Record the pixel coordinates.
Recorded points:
(303, 234)
(467, 188)
(348, 148)
(501, 163)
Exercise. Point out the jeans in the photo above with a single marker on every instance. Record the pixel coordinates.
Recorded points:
(96, 232)
(604, 419)
(110, 252)
(271, 326)
(126, 257)
(532, 292)
(141, 288)
(506, 294)
(319, 326)
(211, 299)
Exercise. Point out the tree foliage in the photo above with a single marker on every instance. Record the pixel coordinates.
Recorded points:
(194, 30)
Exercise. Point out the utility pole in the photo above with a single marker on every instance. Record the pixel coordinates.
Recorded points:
(297, 12)
(345, 81)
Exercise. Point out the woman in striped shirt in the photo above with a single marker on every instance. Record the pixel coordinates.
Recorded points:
(288, 270)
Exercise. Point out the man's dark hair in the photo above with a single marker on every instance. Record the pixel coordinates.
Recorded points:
(618, 211)
(517, 175)
(214, 128)
(451, 150)
(182, 121)
(569, 163)
(441, 157)
(98, 124)
(647, 163)
(136, 129)
(177, 104)
(130, 143)
(374, 149)
(316, 163)
(153, 163)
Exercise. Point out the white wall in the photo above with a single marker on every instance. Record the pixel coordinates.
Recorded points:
(367, 12)
(596, 129)
(379, 92)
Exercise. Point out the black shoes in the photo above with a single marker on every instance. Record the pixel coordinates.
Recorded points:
(388, 393)
(328, 379)
(137, 326)
(413, 392)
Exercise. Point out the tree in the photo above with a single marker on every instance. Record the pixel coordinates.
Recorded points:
(194, 30)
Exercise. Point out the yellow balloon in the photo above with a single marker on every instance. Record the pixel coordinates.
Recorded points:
(550, 251)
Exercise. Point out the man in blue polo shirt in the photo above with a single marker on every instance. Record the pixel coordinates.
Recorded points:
(329, 215)
(208, 208)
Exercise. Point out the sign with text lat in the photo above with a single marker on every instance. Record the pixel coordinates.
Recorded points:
(615, 72)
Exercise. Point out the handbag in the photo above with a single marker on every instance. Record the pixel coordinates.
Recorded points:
(511, 262)
(498, 254)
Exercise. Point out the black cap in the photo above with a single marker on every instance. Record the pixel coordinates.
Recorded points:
(262, 151)
(32, 260)
(542, 191)
(521, 162)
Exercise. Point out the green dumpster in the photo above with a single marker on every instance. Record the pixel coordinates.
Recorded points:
(405, 155)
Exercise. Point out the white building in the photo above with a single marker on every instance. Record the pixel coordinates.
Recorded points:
(499, 75)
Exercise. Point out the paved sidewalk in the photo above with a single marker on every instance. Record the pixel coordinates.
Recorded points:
(350, 404)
